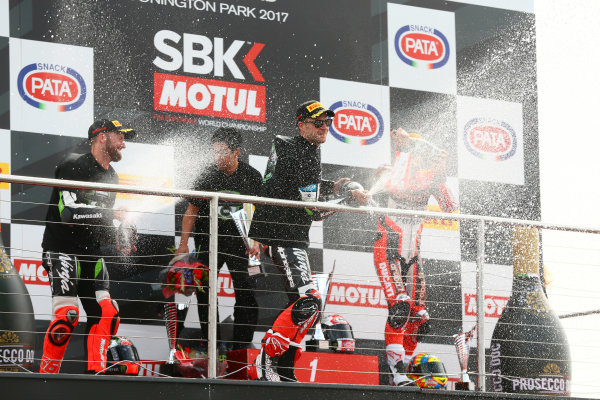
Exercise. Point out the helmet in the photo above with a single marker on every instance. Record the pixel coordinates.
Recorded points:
(122, 357)
(338, 332)
(427, 371)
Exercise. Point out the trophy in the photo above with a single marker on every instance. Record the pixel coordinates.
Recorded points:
(242, 219)
(462, 342)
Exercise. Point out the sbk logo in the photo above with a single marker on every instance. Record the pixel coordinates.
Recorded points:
(419, 45)
(355, 120)
(202, 55)
(47, 86)
(490, 139)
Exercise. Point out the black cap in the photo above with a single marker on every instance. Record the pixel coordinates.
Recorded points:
(105, 125)
(312, 109)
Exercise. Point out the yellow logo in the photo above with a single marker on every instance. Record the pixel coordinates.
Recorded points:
(148, 181)
(5, 264)
(314, 106)
(537, 302)
(4, 170)
(9, 338)
(552, 369)
(116, 123)
(438, 223)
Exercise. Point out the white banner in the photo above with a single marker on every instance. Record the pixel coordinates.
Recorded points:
(440, 239)
(26, 254)
(359, 135)
(497, 287)
(51, 87)
(490, 140)
(421, 49)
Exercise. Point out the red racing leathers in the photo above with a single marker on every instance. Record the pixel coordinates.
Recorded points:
(409, 183)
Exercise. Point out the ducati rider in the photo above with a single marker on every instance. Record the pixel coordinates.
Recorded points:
(293, 172)
(418, 172)
(78, 222)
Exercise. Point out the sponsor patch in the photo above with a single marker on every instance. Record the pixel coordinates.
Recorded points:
(49, 86)
(422, 46)
(356, 121)
(490, 139)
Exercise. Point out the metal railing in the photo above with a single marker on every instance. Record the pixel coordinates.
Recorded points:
(213, 249)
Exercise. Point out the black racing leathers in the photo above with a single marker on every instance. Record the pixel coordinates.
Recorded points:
(293, 173)
(79, 221)
(232, 251)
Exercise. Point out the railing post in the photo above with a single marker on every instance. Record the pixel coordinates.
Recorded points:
(212, 287)
(480, 307)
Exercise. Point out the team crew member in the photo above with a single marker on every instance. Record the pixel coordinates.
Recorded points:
(78, 222)
(294, 173)
(418, 172)
(230, 175)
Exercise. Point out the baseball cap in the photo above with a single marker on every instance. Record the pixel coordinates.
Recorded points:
(312, 109)
(106, 125)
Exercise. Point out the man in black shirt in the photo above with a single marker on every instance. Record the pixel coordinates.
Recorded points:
(78, 222)
(230, 175)
(293, 173)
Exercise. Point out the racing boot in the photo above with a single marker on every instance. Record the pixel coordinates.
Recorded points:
(396, 359)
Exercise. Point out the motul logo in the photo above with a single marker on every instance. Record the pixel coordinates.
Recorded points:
(51, 86)
(356, 121)
(493, 305)
(225, 286)
(348, 294)
(32, 272)
(419, 45)
(490, 139)
(208, 97)
(203, 56)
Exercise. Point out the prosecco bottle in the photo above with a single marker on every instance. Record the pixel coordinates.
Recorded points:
(17, 322)
(529, 349)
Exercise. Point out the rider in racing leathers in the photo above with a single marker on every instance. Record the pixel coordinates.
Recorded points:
(77, 224)
(418, 172)
(294, 173)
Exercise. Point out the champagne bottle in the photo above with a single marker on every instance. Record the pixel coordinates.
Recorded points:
(529, 349)
(17, 322)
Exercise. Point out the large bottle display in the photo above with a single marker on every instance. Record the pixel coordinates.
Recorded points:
(529, 349)
(17, 339)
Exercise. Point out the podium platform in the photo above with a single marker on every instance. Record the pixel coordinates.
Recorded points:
(319, 367)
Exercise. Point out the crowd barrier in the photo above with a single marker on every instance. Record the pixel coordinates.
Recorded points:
(468, 272)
